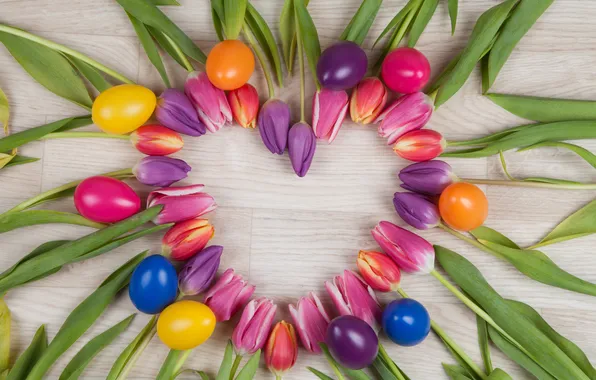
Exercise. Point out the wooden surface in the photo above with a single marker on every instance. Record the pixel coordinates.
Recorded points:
(288, 235)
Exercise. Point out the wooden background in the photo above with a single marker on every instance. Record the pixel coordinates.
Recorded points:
(288, 235)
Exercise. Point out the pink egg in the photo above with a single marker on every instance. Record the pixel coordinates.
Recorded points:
(405, 70)
(106, 200)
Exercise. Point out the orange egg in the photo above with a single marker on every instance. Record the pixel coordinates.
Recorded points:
(463, 206)
(230, 64)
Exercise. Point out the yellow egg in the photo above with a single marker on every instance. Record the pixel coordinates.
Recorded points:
(185, 324)
(124, 108)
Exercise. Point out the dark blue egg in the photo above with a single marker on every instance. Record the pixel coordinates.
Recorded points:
(406, 322)
(153, 285)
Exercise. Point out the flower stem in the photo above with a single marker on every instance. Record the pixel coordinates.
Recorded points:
(262, 60)
(68, 135)
(392, 367)
(277, 377)
(65, 50)
(451, 343)
(467, 239)
(235, 366)
(302, 70)
(336, 370)
(520, 183)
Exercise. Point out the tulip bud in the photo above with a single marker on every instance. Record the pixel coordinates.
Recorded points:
(408, 113)
(430, 177)
(160, 171)
(311, 320)
(409, 251)
(274, 125)
(252, 330)
(368, 100)
(329, 110)
(281, 351)
(180, 203)
(229, 293)
(379, 271)
(156, 140)
(416, 210)
(198, 273)
(244, 102)
(301, 147)
(422, 145)
(175, 111)
(186, 238)
(209, 101)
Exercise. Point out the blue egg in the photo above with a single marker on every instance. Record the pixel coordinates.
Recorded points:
(153, 285)
(406, 322)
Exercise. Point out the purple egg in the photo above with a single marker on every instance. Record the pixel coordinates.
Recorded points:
(352, 342)
(342, 66)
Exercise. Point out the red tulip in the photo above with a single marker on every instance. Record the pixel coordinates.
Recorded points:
(244, 102)
(281, 350)
(156, 140)
(379, 271)
(187, 238)
(420, 145)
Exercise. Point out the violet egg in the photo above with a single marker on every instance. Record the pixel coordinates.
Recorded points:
(106, 200)
(352, 342)
(342, 66)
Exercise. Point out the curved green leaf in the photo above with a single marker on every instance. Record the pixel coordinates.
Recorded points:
(217, 21)
(234, 12)
(490, 138)
(226, 364)
(455, 372)
(93, 75)
(360, 24)
(588, 156)
(580, 223)
(250, 368)
(15, 140)
(426, 12)
(4, 111)
(287, 32)
(20, 160)
(488, 234)
(545, 109)
(453, 9)
(320, 374)
(150, 48)
(483, 344)
(308, 35)
(130, 354)
(36, 252)
(28, 218)
(5, 321)
(29, 357)
(499, 374)
(264, 36)
(396, 20)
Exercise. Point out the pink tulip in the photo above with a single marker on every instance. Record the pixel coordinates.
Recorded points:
(251, 332)
(244, 102)
(209, 101)
(181, 203)
(410, 252)
(421, 145)
(228, 295)
(311, 321)
(368, 100)
(352, 296)
(329, 110)
(408, 113)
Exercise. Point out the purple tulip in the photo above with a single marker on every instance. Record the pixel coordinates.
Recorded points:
(274, 125)
(175, 111)
(416, 210)
(429, 177)
(198, 273)
(352, 342)
(301, 146)
(341, 66)
(160, 171)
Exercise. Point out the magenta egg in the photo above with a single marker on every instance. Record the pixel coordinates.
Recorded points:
(405, 70)
(106, 200)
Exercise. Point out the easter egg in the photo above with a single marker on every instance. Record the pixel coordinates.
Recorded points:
(124, 108)
(230, 64)
(153, 285)
(185, 324)
(352, 342)
(341, 66)
(406, 322)
(106, 199)
(405, 70)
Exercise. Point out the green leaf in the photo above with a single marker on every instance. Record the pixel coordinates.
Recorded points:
(165, 44)
(545, 109)
(287, 32)
(49, 68)
(580, 223)
(131, 353)
(150, 15)
(360, 24)
(217, 22)
(12, 221)
(542, 350)
(150, 48)
(499, 374)
(93, 75)
(79, 362)
(465, 367)
(308, 35)
(383, 371)
(483, 343)
(319, 374)
(5, 321)
(250, 368)
(486, 28)
(488, 234)
(83, 316)
(264, 36)
(522, 18)
(226, 364)
(588, 156)
(234, 11)
(36, 252)
(20, 160)
(164, 2)
(453, 8)
(456, 372)
(426, 12)
(5, 159)
(20, 138)
(29, 357)
(4, 111)
(170, 367)
(396, 20)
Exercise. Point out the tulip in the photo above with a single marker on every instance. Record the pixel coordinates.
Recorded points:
(175, 111)
(379, 271)
(252, 330)
(352, 296)
(311, 320)
(408, 113)
(329, 110)
(186, 238)
(156, 140)
(422, 145)
(181, 203)
(244, 102)
(198, 273)
(281, 351)
(416, 210)
(160, 171)
(229, 293)
(430, 177)
(301, 147)
(368, 100)
(274, 125)
(209, 101)
(409, 251)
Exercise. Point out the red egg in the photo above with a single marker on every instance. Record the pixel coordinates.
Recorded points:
(405, 70)
(106, 200)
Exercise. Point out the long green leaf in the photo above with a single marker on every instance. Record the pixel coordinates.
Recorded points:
(20, 138)
(308, 35)
(250, 368)
(83, 316)
(486, 28)
(483, 344)
(131, 353)
(163, 42)
(522, 18)
(150, 15)
(319, 374)
(217, 22)
(79, 362)
(456, 372)
(383, 371)
(545, 109)
(172, 364)
(488, 234)
(49, 68)
(287, 32)
(264, 36)
(4, 111)
(499, 374)
(93, 75)
(28, 218)
(164, 2)
(29, 357)
(465, 367)
(426, 12)
(234, 12)
(5, 321)
(542, 350)
(580, 223)
(45, 247)
(226, 364)
(453, 9)
(5, 159)
(20, 160)
(360, 24)
(150, 48)
(396, 20)
(588, 156)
